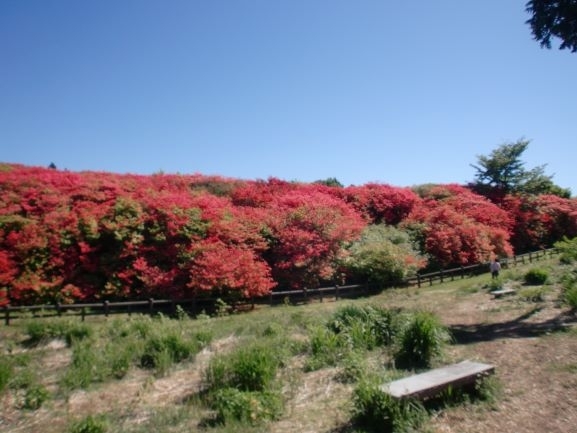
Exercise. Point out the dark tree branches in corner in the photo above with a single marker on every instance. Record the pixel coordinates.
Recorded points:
(554, 19)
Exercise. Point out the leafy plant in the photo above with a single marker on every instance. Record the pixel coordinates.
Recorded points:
(34, 397)
(241, 385)
(372, 326)
(570, 297)
(532, 294)
(567, 249)
(6, 371)
(378, 411)
(421, 341)
(89, 424)
(40, 331)
(536, 276)
(161, 351)
(250, 368)
(252, 407)
(326, 348)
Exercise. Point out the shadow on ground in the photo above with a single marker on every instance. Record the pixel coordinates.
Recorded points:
(519, 327)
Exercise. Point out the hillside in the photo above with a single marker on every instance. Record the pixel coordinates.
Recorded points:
(530, 337)
(70, 237)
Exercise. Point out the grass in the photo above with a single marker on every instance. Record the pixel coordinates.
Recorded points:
(314, 367)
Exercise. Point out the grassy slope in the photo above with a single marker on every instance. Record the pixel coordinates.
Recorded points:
(536, 366)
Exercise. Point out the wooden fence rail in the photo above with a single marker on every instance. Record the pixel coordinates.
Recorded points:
(197, 305)
(479, 268)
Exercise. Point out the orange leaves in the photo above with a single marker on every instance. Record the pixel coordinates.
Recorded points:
(461, 227)
(225, 267)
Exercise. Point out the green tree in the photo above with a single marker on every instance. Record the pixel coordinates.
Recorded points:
(330, 181)
(503, 171)
(383, 255)
(554, 18)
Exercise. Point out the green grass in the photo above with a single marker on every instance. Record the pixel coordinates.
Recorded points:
(258, 361)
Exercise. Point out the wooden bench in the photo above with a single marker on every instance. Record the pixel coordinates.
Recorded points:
(433, 382)
(502, 292)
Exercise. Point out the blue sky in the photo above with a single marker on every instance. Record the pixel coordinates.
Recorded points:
(402, 93)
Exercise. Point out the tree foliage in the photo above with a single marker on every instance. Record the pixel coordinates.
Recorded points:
(383, 254)
(458, 227)
(503, 172)
(554, 19)
(69, 237)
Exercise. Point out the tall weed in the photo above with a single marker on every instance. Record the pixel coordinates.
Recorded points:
(377, 411)
(421, 341)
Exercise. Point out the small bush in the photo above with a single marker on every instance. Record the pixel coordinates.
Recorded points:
(90, 424)
(241, 385)
(570, 297)
(421, 341)
(42, 331)
(251, 368)
(162, 351)
(326, 348)
(6, 371)
(354, 368)
(251, 407)
(366, 327)
(86, 367)
(495, 284)
(532, 294)
(568, 250)
(34, 397)
(378, 411)
(536, 277)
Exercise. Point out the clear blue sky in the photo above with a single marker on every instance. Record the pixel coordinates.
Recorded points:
(395, 92)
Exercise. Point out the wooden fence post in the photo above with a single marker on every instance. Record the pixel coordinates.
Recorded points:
(336, 292)
(106, 308)
(151, 306)
(7, 314)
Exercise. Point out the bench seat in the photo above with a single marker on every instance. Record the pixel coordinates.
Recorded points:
(433, 382)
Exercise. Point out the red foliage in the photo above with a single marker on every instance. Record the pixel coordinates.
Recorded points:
(380, 203)
(307, 232)
(460, 227)
(541, 220)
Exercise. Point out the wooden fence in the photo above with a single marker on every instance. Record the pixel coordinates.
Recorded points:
(479, 268)
(198, 305)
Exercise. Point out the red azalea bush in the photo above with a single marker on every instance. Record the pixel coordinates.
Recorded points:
(67, 237)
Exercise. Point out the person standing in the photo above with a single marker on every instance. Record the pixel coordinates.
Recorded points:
(495, 268)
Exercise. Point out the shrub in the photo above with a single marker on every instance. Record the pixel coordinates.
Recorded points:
(570, 297)
(162, 351)
(6, 371)
(41, 331)
(326, 348)
(240, 385)
(568, 250)
(34, 397)
(378, 411)
(421, 340)
(536, 276)
(366, 327)
(90, 424)
(251, 407)
(85, 368)
(251, 368)
(354, 368)
(569, 282)
(532, 294)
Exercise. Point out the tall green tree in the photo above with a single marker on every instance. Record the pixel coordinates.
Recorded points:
(503, 171)
(554, 18)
